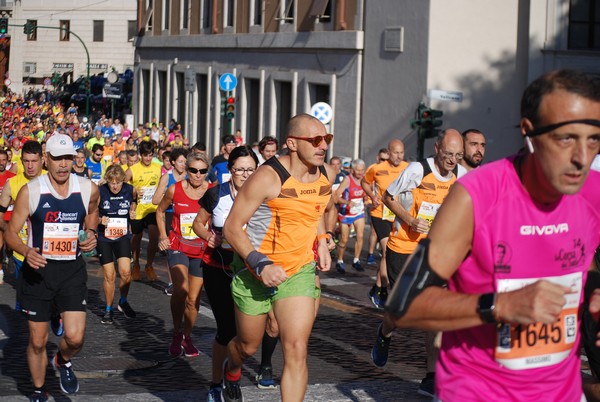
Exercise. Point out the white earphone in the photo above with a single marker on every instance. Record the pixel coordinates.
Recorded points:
(529, 144)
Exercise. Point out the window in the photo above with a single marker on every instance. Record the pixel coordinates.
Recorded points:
(131, 30)
(229, 13)
(185, 14)
(32, 35)
(256, 12)
(584, 24)
(206, 14)
(65, 33)
(286, 11)
(98, 31)
(166, 14)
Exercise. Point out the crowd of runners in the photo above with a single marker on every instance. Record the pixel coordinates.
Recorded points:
(490, 259)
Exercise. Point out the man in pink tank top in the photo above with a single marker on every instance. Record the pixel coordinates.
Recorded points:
(514, 241)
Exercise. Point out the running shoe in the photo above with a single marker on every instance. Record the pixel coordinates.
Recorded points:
(371, 260)
(375, 296)
(383, 295)
(214, 394)
(189, 350)
(107, 318)
(427, 386)
(232, 392)
(357, 266)
(136, 274)
(126, 309)
(56, 324)
(169, 289)
(264, 378)
(68, 381)
(150, 274)
(1, 275)
(381, 348)
(38, 397)
(340, 268)
(175, 349)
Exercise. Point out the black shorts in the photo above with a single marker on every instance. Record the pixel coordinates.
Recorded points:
(58, 283)
(111, 251)
(138, 225)
(394, 262)
(382, 228)
(194, 265)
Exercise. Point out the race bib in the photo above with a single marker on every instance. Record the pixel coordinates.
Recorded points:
(427, 212)
(186, 222)
(115, 228)
(357, 206)
(521, 347)
(225, 177)
(60, 241)
(146, 195)
(387, 214)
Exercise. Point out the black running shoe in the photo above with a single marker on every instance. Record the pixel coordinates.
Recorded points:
(126, 309)
(232, 392)
(107, 318)
(38, 397)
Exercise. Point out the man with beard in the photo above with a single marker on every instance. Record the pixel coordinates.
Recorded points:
(474, 143)
(94, 162)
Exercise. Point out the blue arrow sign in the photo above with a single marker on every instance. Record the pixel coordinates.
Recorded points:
(227, 82)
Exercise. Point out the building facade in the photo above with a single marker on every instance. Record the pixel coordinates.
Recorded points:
(373, 62)
(106, 29)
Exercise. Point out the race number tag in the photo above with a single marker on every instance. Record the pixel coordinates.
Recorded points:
(60, 241)
(186, 222)
(427, 212)
(521, 347)
(147, 194)
(357, 206)
(225, 177)
(388, 215)
(115, 228)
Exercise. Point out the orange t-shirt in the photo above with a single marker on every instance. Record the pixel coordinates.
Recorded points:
(382, 175)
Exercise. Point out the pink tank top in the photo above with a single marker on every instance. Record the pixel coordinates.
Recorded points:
(515, 243)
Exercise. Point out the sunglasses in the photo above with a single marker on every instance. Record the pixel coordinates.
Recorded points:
(196, 171)
(315, 141)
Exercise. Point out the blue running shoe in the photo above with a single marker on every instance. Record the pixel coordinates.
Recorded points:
(214, 394)
(371, 260)
(340, 268)
(56, 324)
(264, 378)
(381, 348)
(68, 381)
(377, 297)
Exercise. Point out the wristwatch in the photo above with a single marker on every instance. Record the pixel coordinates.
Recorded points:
(486, 306)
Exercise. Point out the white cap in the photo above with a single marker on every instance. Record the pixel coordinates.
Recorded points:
(85, 119)
(59, 145)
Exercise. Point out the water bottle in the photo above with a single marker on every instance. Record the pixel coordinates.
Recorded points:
(83, 237)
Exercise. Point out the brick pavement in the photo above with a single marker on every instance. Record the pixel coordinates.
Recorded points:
(128, 361)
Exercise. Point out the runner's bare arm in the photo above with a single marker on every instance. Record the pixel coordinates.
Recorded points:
(4, 203)
(368, 189)
(416, 224)
(17, 220)
(337, 194)
(324, 245)
(91, 220)
(440, 309)
(163, 235)
(160, 189)
(199, 227)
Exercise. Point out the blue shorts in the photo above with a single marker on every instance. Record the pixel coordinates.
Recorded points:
(350, 219)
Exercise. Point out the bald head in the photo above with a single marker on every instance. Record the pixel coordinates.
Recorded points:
(448, 150)
(297, 126)
(396, 152)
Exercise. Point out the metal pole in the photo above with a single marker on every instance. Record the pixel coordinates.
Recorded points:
(87, 53)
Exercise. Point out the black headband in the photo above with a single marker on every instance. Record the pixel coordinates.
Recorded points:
(547, 129)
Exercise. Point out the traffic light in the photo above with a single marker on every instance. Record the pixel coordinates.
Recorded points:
(56, 79)
(427, 121)
(3, 26)
(230, 108)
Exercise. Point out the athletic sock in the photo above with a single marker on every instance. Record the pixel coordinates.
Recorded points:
(60, 360)
(108, 308)
(122, 300)
(268, 348)
(38, 390)
(387, 338)
(356, 260)
(340, 261)
(233, 377)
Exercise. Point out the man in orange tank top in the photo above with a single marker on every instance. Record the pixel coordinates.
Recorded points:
(283, 205)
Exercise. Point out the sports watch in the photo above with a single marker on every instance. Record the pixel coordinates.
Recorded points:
(486, 306)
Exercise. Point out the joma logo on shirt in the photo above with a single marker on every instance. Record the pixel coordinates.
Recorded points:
(547, 230)
(311, 191)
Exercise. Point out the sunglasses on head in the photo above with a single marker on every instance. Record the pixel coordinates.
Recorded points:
(315, 141)
(196, 171)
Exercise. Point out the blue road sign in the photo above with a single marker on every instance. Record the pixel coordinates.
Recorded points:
(227, 82)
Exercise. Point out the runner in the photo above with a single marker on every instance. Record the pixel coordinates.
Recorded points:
(351, 213)
(117, 207)
(185, 251)
(58, 205)
(215, 207)
(79, 167)
(4, 176)
(376, 181)
(517, 266)
(144, 177)
(280, 270)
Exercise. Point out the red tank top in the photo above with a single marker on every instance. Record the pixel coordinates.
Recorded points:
(185, 210)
